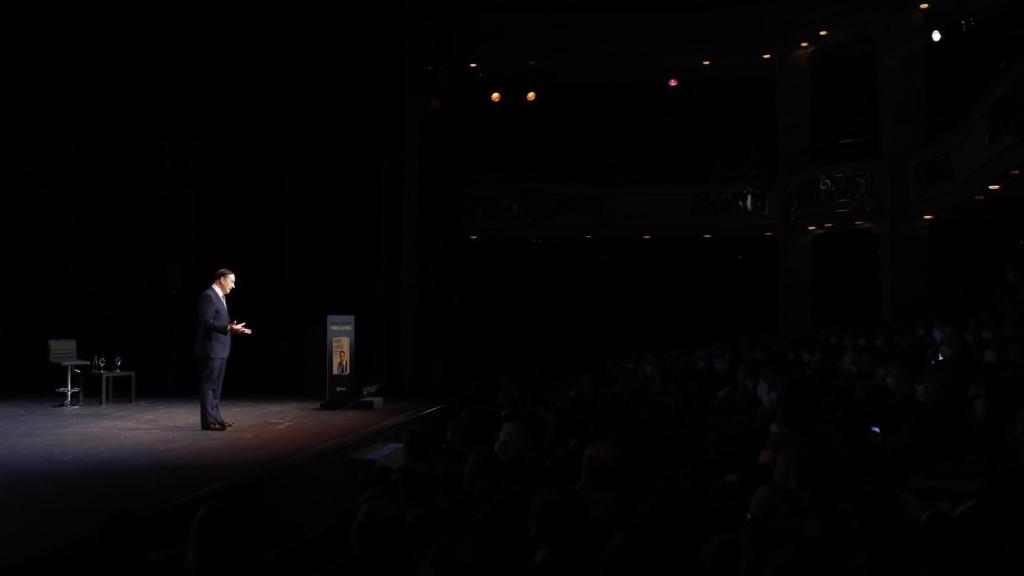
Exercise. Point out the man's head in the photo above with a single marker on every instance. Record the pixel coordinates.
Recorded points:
(341, 356)
(225, 280)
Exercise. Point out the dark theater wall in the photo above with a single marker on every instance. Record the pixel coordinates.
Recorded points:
(151, 152)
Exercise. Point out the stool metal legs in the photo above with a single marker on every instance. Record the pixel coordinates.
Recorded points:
(69, 390)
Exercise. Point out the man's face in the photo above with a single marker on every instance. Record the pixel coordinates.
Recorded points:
(227, 283)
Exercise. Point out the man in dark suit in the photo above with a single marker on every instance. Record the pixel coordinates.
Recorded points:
(213, 345)
(342, 368)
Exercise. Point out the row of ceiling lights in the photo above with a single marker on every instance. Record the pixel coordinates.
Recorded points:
(673, 82)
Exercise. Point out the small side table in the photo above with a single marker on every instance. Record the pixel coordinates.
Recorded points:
(108, 377)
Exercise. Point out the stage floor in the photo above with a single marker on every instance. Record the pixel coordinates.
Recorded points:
(65, 471)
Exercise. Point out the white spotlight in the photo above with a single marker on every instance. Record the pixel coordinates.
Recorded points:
(936, 35)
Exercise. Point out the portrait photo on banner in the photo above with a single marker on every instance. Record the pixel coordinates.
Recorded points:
(341, 356)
